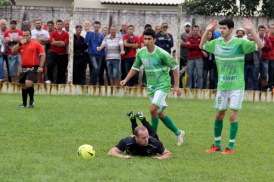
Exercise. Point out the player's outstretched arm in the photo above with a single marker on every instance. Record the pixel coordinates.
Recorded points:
(115, 152)
(165, 155)
(247, 24)
(212, 25)
(131, 73)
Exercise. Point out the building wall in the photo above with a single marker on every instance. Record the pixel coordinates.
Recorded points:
(136, 17)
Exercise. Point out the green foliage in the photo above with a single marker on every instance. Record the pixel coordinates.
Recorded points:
(5, 3)
(221, 7)
(267, 8)
(40, 144)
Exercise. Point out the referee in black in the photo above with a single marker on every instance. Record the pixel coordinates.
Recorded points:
(30, 51)
(142, 143)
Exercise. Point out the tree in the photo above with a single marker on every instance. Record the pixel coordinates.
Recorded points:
(5, 3)
(267, 8)
(221, 7)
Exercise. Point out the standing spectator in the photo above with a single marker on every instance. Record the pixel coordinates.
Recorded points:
(114, 49)
(194, 58)
(59, 41)
(251, 62)
(87, 27)
(12, 37)
(2, 50)
(94, 39)
(240, 33)
(144, 79)
(271, 56)
(208, 66)
(41, 36)
(262, 69)
(123, 29)
(3, 29)
(104, 64)
(79, 58)
(216, 34)
(131, 44)
(157, 29)
(184, 50)
(66, 26)
(26, 25)
(30, 51)
(164, 40)
(50, 25)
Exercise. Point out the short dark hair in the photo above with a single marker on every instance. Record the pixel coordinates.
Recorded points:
(38, 20)
(59, 21)
(139, 128)
(27, 30)
(195, 26)
(105, 28)
(131, 26)
(78, 26)
(50, 22)
(148, 26)
(150, 32)
(97, 22)
(228, 21)
(261, 26)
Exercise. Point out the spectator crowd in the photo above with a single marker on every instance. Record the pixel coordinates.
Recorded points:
(112, 51)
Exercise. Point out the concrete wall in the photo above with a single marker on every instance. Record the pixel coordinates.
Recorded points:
(135, 16)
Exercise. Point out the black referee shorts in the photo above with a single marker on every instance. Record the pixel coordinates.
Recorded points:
(28, 73)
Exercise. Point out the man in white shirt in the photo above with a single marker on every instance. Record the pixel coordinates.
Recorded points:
(41, 36)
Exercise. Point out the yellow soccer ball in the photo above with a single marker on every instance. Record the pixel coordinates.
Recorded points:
(86, 152)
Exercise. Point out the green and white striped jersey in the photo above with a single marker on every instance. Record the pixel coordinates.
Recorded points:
(230, 61)
(156, 66)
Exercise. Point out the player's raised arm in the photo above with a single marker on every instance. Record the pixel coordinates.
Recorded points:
(248, 26)
(208, 28)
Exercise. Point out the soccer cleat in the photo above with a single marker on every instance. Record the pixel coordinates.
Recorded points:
(22, 106)
(214, 148)
(140, 115)
(180, 138)
(131, 115)
(31, 104)
(228, 151)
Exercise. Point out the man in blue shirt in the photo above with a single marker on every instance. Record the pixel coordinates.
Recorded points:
(94, 39)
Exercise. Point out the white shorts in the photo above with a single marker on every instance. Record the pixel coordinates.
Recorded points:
(159, 99)
(235, 97)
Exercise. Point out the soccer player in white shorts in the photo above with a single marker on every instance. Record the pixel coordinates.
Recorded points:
(229, 53)
(156, 63)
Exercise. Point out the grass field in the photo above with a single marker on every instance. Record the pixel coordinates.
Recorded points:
(40, 144)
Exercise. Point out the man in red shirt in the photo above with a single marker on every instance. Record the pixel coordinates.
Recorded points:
(131, 44)
(12, 37)
(58, 55)
(30, 51)
(195, 58)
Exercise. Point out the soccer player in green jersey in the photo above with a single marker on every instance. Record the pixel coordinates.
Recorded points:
(229, 53)
(156, 63)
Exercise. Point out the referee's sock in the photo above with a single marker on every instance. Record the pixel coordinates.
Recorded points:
(31, 93)
(24, 96)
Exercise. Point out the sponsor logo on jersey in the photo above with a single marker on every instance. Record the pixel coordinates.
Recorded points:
(228, 78)
(231, 68)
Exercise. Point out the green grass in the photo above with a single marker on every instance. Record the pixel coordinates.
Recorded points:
(40, 144)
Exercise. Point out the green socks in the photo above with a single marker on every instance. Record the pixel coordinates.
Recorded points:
(218, 132)
(154, 123)
(233, 133)
(170, 125)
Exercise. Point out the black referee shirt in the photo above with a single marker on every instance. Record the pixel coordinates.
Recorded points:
(129, 145)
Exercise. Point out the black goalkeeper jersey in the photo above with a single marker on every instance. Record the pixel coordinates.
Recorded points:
(129, 145)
